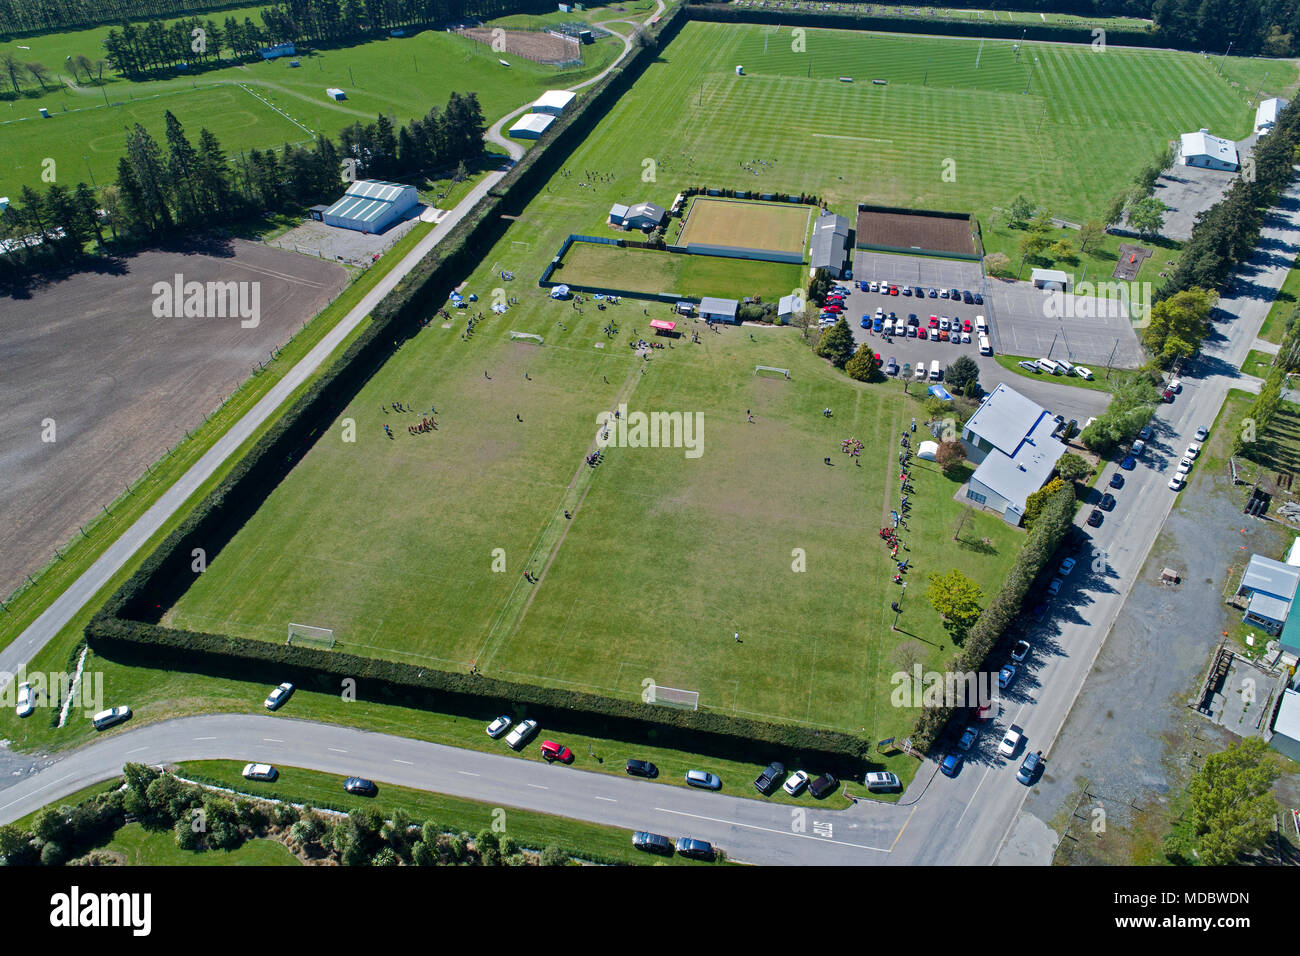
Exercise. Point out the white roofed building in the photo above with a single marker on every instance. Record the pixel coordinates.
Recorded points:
(1208, 152)
(370, 205)
(531, 125)
(1266, 114)
(554, 102)
(1010, 439)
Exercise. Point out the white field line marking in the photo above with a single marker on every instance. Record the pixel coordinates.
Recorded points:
(856, 139)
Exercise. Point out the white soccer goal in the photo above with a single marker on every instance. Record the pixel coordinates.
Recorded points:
(527, 336)
(676, 697)
(305, 635)
(771, 371)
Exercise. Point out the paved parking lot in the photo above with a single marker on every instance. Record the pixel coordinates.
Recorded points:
(1188, 190)
(1019, 317)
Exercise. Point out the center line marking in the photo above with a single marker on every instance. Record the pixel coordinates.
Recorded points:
(272, 740)
(337, 751)
(407, 762)
(607, 799)
(467, 773)
(539, 786)
(205, 738)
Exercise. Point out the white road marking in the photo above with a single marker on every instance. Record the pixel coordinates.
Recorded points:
(407, 762)
(538, 786)
(66, 776)
(336, 750)
(750, 826)
(205, 738)
(272, 740)
(607, 799)
(467, 773)
(136, 750)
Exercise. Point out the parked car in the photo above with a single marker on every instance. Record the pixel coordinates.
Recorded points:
(866, 322)
(932, 293)
(1020, 652)
(823, 786)
(553, 751)
(1185, 466)
(1054, 588)
(794, 786)
(1117, 480)
(1192, 450)
(951, 765)
(1031, 768)
(26, 700)
(767, 781)
(1146, 433)
(1129, 463)
(1175, 386)
(979, 299)
(1202, 433)
(703, 779)
(1011, 742)
(1031, 367)
(891, 367)
(923, 333)
(968, 738)
(521, 733)
(906, 290)
(1108, 502)
(110, 718)
(1137, 448)
(498, 726)
(881, 780)
(1066, 567)
(943, 293)
(1096, 518)
(1007, 675)
(642, 768)
(360, 786)
(259, 771)
(652, 843)
(1178, 482)
(694, 849)
(278, 696)
(1169, 396)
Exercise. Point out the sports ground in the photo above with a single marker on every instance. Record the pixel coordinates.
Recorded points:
(648, 271)
(392, 542)
(750, 225)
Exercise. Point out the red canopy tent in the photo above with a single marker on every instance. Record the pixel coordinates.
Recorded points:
(663, 328)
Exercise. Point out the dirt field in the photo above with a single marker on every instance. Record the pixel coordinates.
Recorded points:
(122, 386)
(530, 44)
(752, 225)
(914, 231)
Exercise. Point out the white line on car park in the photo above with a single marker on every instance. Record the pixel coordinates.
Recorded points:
(750, 826)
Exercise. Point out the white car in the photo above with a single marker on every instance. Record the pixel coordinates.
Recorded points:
(1083, 373)
(111, 717)
(945, 323)
(498, 726)
(278, 696)
(1177, 482)
(260, 771)
(1175, 386)
(519, 736)
(1185, 466)
(1138, 446)
(1011, 742)
(920, 371)
(1202, 433)
(965, 338)
(26, 700)
(1192, 450)
(798, 780)
(874, 286)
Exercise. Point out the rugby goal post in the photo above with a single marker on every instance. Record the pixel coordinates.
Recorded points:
(305, 635)
(527, 337)
(771, 371)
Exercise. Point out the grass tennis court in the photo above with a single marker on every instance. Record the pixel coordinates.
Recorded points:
(781, 227)
(651, 271)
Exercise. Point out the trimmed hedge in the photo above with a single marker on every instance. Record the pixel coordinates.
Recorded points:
(127, 628)
(1049, 531)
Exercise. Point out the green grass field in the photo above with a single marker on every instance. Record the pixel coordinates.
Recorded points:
(666, 557)
(649, 271)
(140, 847)
(256, 105)
(753, 225)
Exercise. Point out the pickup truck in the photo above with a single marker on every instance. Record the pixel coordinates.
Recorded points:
(767, 780)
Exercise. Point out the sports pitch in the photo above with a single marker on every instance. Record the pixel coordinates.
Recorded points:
(751, 225)
(649, 271)
(392, 542)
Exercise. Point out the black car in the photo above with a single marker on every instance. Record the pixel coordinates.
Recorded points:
(769, 779)
(823, 786)
(642, 768)
(1095, 518)
(979, 299)
(652, 843)
(920, 293)
(360, 786)
(694, 849)
(1117, 480)
(1107, 502)
(1031, 768)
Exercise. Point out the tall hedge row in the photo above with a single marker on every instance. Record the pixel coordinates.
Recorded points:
(127, 627)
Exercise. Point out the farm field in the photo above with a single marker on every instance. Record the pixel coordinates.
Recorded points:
(676, 555)
(650, 271)
(257, 105)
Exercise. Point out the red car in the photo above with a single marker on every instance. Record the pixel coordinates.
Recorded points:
(835, 307)
(1169, 395)
(934, 321)
(921, 334)
(553, 751)
(893, 290)
(943, 336)
(878, 361)
(965, 325)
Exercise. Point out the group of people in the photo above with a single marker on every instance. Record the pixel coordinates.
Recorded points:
(426, 425)
(595, 457)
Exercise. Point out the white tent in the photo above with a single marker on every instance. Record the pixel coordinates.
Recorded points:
(928, 450)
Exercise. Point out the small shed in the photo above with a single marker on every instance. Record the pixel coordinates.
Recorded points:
(719, 310)
(334, 93)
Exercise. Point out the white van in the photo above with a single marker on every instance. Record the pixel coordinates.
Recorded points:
(1047, 365)
(936, 371)
(1066, 367)
(985, 347)
(981, 325)
(920, 371)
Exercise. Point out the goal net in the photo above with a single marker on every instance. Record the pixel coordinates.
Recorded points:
(527, 336)
(676, 697)
(305, 635)
(771, 371)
